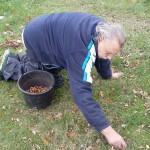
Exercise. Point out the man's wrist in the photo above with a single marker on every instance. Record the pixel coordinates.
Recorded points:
(106, 130)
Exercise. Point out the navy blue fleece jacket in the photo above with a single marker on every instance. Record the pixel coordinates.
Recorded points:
(66, 40)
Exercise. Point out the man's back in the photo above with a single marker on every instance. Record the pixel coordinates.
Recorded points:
(49, 38)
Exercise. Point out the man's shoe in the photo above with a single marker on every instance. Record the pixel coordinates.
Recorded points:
(59, 81)
(55, 71)
(4, 61)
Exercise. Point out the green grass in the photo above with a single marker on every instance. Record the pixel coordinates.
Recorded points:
(30, 129)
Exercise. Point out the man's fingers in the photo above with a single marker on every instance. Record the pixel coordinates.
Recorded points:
(119, 144)
(117, 75)
(124, 145)
(113, 138)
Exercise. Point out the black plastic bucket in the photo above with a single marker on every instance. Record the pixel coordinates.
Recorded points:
(36, 78)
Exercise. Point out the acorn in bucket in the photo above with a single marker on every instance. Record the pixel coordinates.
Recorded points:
(36, 87)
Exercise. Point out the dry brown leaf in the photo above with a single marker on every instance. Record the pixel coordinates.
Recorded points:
(71, 133)
(35, 147)
(109, 100)
(101, 93)
(98, 141)
(10, 33)
(141, 147)
(46, 110)
(74, 110)
(59, 115)
(45, 140)
(135, 63)
(11, 43)
(89, 148)
(93, 76)
(141, 93)
(126, 63)
(147, 105)
(17, 110)
(35, 131)
(60, 148)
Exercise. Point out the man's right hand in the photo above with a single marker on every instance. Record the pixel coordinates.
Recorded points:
(116, 75)
(113, 138)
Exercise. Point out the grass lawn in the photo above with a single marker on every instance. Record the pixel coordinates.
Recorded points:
(61, 126)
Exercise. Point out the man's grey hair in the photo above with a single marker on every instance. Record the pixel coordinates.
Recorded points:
(110, 31)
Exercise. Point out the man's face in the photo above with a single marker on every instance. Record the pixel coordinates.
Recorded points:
(107, 48)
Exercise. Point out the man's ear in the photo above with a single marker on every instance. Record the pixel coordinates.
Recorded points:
(97, 37)
(100, 39)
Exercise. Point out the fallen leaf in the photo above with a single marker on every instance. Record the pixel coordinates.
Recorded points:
(123, 125)
(71, 133)
(60, 148)
(101, 93)
(141, 147)
(147, 105)
(89, 148)
(98, 141)
(46, 110)
(10, 33)
(11, 43)
(109, 100)
(74, 110)
(126, 63)
(45, 140)
(141, 94)
(135, 63)
(24, 138)
(35, 147)
(35, 131)
(17, 110)
(59, 115)
(93, 76)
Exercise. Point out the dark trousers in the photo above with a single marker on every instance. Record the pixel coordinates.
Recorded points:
(18, 64)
